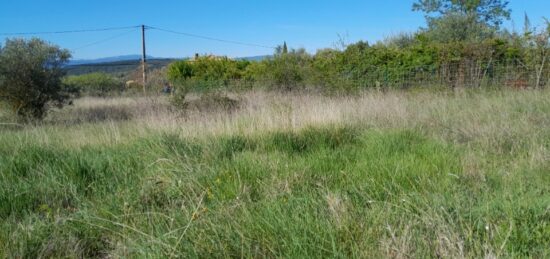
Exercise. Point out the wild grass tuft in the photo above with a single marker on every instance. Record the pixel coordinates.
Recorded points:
(381, 175)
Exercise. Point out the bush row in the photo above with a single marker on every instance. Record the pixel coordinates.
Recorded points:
(397, 62)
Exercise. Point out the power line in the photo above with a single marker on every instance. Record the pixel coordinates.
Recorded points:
(211, 38)
(143, 28)
(134, 27)
(102, 41)
(70, 31)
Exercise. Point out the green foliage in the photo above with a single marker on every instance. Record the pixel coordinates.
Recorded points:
(462, 46)
(459, 21)
(217, 72)
(95, 84)
(286, 71)
(537, 50)
(205, 74)
(318, 192)
(456, 27)
(411, 59)
(30, 76)
(489, 12)
(402, 61)
(180, 70)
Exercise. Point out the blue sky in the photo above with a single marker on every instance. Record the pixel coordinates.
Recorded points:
(311, 24)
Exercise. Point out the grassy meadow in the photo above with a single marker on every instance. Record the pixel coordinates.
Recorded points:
(398, 174)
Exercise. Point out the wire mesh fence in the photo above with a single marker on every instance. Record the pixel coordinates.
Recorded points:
(456, 74)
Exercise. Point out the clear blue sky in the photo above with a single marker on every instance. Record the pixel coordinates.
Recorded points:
(311, 24)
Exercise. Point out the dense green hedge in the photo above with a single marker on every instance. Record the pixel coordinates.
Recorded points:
(362, 65)
(462, 46)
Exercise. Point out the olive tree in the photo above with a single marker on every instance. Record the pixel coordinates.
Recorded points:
(30, 76)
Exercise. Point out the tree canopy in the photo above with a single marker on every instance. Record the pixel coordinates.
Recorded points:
(31, 72)
(490, 12)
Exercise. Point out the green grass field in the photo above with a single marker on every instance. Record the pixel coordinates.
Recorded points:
(398, 174)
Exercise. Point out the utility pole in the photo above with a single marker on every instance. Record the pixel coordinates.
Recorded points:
(143, 58)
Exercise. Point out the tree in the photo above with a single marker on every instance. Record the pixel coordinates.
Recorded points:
(490, 12)
(281, 49)
(455, 27)
(462, 20)
(31, 73)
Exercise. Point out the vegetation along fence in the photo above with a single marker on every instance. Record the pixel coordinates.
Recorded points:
(465, 73)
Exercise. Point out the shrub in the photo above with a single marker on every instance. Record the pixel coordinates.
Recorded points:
(157, 79)
(204, 74)
(208, 72)
(180, 70)
(456, 50)
(30, 76)
(287, 71)
(95, 84)
(181, 88)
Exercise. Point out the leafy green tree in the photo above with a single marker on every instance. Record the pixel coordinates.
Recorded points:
(285, 48)
(31, 73)
(491, 12)
(462, 20)
(456, 27)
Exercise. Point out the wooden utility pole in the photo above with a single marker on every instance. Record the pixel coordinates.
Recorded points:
(143, 58)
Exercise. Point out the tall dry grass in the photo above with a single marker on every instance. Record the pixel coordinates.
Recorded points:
(480, 118)
(380, 174)
(498, 122)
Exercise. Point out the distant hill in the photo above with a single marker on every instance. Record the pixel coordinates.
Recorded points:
(138, 57)
(118, 68)
(121, 66)
(106, 60)
(255, 58)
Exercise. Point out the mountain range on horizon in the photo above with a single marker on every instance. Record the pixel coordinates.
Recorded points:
(76, 62)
